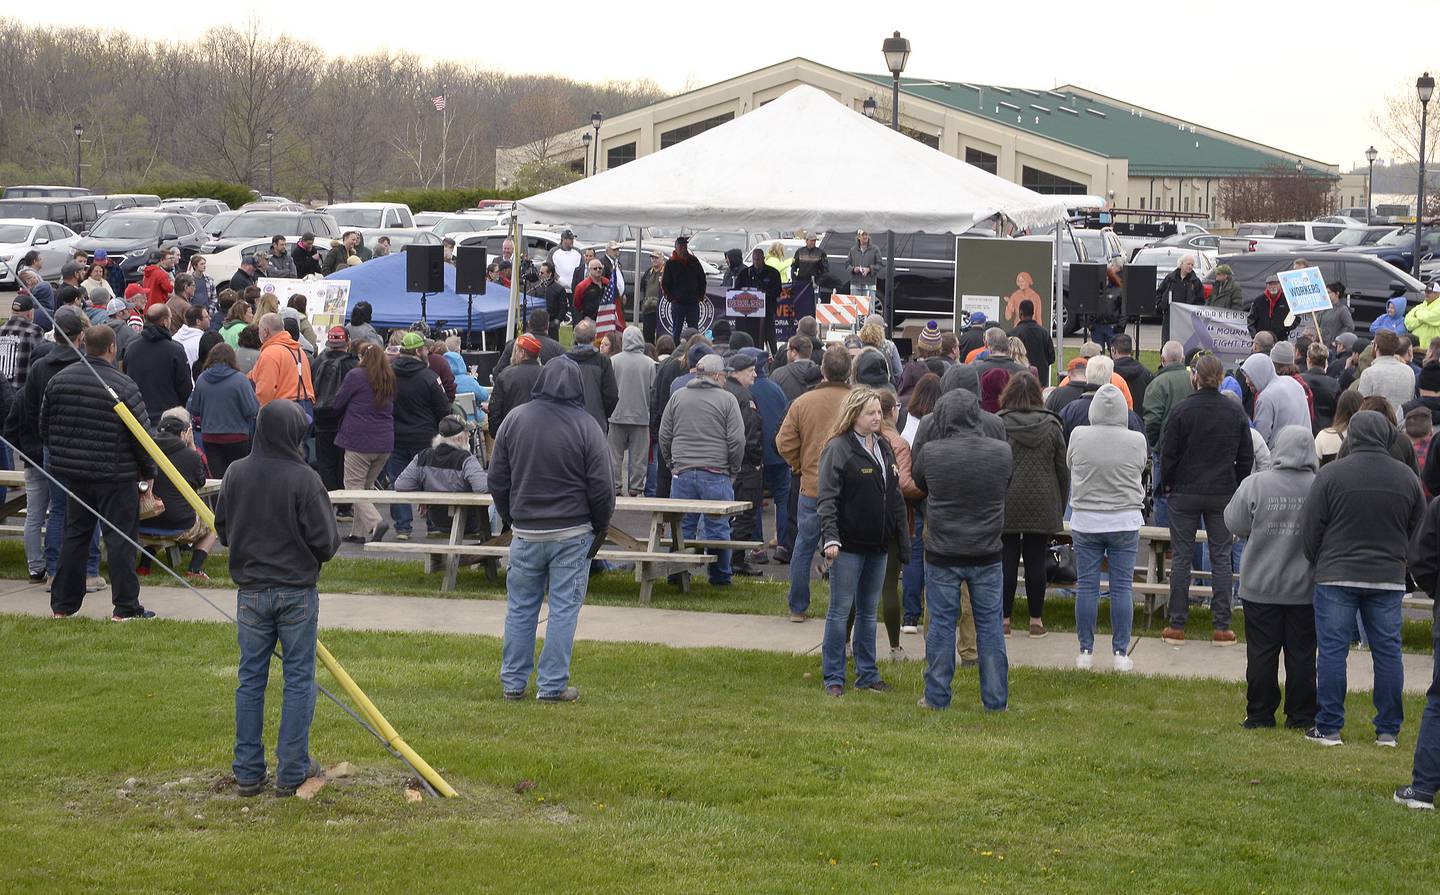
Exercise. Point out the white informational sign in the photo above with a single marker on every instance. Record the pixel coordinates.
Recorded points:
(989, 305)
(744, 303)
(327, 302)
(1304, 290)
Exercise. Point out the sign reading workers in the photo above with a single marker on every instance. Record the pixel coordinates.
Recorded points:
(1304, 290)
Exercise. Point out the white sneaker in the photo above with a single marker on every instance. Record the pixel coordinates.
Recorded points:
(1124, 662)
(909, 629)
(1085, 660)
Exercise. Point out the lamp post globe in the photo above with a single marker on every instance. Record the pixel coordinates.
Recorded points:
(1371, 155)
(897, 54)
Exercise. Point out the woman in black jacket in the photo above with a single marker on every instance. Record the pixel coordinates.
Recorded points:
(861, 514)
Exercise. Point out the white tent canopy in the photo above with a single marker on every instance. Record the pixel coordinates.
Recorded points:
(801, 161)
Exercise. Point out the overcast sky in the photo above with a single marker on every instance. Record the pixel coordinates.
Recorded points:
(1300, 78)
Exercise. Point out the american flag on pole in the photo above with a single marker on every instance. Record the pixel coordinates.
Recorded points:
(439, 101)
(610, 317)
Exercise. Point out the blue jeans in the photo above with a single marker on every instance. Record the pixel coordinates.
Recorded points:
(776, 477)
(652, 470)
(287, 616)
(1120, 548)
(55, 531)
(560, 568)
(1335, 608)
(400, 513)
(1426, 776)
(807, 541)
(1161, 512)
(912, 575)
(699, 484)
(942, 588)
(855, 580)
(682, 316)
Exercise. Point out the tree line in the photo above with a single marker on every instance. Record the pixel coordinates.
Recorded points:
(343, 128)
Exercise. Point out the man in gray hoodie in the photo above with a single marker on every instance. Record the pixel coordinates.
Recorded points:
(630, 421)
(1279, 400)
(1277, 582)
(702, 437)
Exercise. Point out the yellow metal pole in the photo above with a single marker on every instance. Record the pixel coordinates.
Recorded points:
(367, 708)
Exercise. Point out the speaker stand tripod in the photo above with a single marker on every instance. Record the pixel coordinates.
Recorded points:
(423, 318)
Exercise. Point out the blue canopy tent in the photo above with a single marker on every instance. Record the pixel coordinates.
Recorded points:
(381, 281)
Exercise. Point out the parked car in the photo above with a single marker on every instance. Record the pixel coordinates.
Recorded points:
(1398, 248)
(400, 237)
(203, 209)
(222, 265)
(1208, 243)
(42, 192)
(254, 224)
(1167, 258)
(1360, 214)
(1343, 220)
(367, 217)
(711, 245)
(1358, 236)
(76, 212)
(138, 237)
(538, 243)
(273, 205)
(117, 201)
(1278, 237)
(452, 225)
(1392, 214)
(428, 218)
(19, 236)
(1369, 281)
(1104, 245)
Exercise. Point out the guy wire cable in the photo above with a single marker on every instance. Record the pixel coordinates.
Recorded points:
(188, 586)
(378, 724)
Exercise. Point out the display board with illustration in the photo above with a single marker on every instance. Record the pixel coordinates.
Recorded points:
(998, 274)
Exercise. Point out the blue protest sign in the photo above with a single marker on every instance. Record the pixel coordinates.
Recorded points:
(1304, 290)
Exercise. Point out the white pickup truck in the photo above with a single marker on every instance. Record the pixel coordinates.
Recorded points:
(1284, 237)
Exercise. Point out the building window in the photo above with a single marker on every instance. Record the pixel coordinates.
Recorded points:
(1043, 182)
(670, 138)
(982, 160)
(1142, 203)
(1172, 203)
(1187, 203)
(619, 155)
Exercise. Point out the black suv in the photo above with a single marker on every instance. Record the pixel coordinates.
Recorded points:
(1369, 281)
(924, 269)
(136, 238)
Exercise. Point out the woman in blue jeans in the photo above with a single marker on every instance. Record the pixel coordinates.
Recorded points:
(1106, 497)
(861, 514)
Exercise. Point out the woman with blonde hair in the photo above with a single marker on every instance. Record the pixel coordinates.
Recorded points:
(268, 303)
(1018, 353)
(775, 257)
(861, 513)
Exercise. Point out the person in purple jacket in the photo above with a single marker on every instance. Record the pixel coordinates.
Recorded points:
(365, 405)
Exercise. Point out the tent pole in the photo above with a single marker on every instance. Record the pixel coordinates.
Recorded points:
(639, 252)
(1057, 301)
(515, 272)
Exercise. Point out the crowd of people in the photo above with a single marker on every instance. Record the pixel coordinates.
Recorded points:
(934, 485)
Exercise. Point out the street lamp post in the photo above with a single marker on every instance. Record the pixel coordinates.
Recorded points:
(79, 132)
(869, 107)
(596, 119)
(1371, 155)
(1424, 87)
(586, 138)
(897, 53)
(270, 157)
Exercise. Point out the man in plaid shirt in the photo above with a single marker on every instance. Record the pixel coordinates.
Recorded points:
(18, 337)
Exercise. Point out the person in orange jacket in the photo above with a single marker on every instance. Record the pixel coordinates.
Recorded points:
(283, 369)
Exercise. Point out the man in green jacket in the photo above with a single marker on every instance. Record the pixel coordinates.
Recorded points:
(1423, 321)
(1169, 387)
(1226, 293)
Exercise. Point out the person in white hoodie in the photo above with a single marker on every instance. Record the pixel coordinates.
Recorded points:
(1277, 583)
(1106, 461)
(1279, 400)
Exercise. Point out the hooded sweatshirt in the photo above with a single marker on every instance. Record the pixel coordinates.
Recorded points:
(634, 378)
(178, 515)
(1280, 400)
(551, 467)
(1107, 459)
(1040, 485)
(224, 402)
(962, 377)
(273, 512)
(965, 473)
(703, 429)
(797, 377)
(283, 371)
(1267, 508)
(1361, 511)
(1393, 319)
(467, 384)
(157, 364)
(420, 403)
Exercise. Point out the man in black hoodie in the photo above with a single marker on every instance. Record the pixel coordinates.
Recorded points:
(327, 372)
(965, 473)
(420, 405)
(157, 364)
(552, 481)
(739, 376)
(274, 515)
(602, 392)
(1130, 369)
(1039, 347)
(1356, 526)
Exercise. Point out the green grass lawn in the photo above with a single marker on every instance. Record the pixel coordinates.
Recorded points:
(678, 771)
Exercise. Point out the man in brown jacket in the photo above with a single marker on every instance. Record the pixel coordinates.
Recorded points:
(802, 436)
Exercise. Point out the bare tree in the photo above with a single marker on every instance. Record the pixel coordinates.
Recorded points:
(1277, 195)
(1399, 120)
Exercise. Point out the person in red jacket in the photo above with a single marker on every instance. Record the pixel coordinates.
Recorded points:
(158, 282)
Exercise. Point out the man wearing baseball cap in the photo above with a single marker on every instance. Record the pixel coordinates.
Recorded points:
(515, 384)
(328, 371)
(420, 405)
(18, 338)
(566, 259)
(117, 314)
(1423, 320)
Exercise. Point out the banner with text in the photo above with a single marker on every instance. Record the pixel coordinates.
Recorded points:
(1222, 332)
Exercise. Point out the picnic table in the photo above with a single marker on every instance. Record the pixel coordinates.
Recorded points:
(655, 558)
(14, 480)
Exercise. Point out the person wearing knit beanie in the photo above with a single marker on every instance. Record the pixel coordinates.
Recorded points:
(930, 337)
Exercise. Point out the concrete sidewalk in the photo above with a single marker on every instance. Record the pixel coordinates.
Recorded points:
(669, 627)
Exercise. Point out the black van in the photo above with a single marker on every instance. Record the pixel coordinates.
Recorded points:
(1369, 281)
(76, 212)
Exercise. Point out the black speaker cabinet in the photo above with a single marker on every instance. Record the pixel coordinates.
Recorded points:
(1139, 290)
(470, 264)
(1086, 283)
(425, 269)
